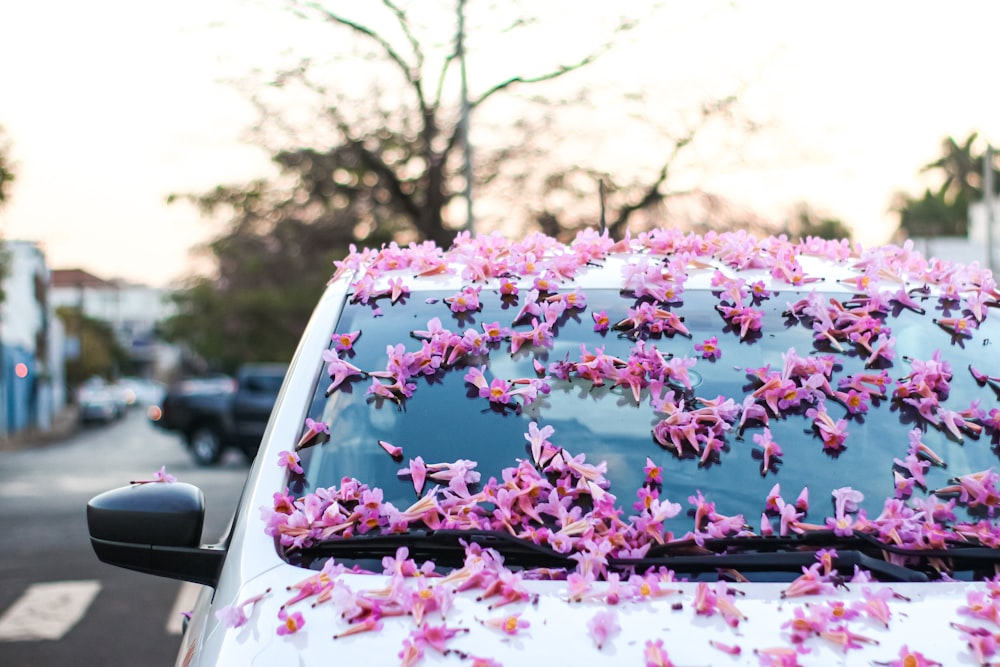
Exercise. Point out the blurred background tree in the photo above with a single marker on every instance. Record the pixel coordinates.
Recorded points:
(100, 354)
(944, 210)
(804, 222)
(369, 143)
(6, 179)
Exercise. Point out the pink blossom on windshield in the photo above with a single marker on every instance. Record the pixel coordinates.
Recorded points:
(831, 432)
(601, 321)
(392, 450)
(344, 342)
(709, 348)
(417, 472)
(290, 460)
(466, 300)
(770, 447)
(313, 429)
(338, 370)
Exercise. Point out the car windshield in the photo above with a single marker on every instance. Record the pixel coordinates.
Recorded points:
(804, 411)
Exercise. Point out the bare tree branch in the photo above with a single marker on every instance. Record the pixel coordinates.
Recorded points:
(411, 74)
(651, 194)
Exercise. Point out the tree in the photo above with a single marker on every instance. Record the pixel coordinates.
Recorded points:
(406, 128)
(100, 353)
(805, 222)
(6, 168)
(380, 159)
(945, 211)
(272, 262)
(6, 179)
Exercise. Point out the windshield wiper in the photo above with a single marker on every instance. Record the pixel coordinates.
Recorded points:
(444, 547)
(772, 561)
(781, 554)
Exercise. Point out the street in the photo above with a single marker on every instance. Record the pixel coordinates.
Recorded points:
(59, 605)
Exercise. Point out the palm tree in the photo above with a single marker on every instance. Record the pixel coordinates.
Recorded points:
(962, 170)
(945, 211)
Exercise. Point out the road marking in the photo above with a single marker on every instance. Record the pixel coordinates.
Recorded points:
(47, 610)
(186, 597)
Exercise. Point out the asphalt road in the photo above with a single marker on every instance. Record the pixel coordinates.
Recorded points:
(59, 605)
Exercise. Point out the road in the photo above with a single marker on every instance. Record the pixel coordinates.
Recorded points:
(59, 605)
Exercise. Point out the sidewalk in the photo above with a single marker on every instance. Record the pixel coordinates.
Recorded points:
(64, 424)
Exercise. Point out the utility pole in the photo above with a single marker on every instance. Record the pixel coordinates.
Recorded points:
(463, 123)
(988, 199)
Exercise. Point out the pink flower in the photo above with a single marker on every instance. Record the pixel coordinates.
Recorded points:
(709, 348)
(160, 476)
(908, 658)
(465, 301)
(601, 321)
(511, 624)
(832, 433)
(344, 342)
(391, 449)
(497, 392)
(771, 448)
(290, 460)
(234, 615)
(292, 623)
(655, 655)
(417, 472)
(778, 656)
(729, 649)
(313, 428)
(434, 636)
(603, 626)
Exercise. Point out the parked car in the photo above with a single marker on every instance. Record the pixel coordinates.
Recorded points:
(142, 391)
(97, 403)
(675, 449)
(216, 413)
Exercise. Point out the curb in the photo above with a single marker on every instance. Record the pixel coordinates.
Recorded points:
(64, 425)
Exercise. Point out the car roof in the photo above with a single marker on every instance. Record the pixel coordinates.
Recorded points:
(594, 261)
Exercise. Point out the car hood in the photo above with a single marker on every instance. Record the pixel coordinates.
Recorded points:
(692, 624)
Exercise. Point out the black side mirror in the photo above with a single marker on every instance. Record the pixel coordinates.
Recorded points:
(155, 528)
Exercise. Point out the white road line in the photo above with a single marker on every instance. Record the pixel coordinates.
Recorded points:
(186, 597)
(48, 610)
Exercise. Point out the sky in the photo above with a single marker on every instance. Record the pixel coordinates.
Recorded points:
(110, 106)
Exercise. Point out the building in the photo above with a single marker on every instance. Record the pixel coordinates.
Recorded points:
(972, 248)
(32, 378)
(133, 312)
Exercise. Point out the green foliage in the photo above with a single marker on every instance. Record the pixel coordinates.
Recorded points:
(6, 178)
(100, 352)
(806, 222)
(945, 211)
(273, 260)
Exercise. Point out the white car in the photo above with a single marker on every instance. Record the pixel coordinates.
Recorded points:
(672, 450)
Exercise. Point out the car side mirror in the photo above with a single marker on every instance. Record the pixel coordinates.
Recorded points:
(155, 528)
